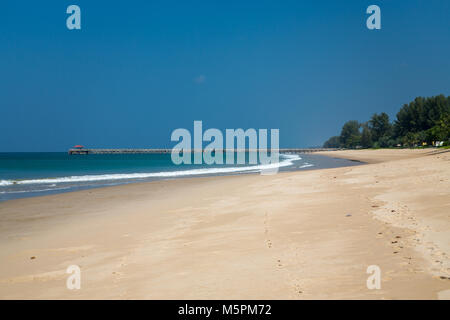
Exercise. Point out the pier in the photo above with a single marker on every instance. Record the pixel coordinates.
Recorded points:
(75, 151)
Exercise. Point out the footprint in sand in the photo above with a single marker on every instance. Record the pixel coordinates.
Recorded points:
(279, 263)
(297, 288)
(266, 231)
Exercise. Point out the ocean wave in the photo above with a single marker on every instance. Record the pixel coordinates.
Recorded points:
(286, 160)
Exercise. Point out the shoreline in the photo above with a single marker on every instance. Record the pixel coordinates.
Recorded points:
(295, 235)
(36, 186)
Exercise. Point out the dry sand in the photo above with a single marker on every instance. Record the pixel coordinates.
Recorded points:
(296, 235)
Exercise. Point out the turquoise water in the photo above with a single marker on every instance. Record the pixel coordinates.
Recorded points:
(34, 174)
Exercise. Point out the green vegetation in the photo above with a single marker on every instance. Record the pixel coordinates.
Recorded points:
(421, 122)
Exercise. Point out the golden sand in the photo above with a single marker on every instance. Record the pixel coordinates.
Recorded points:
(294, 235)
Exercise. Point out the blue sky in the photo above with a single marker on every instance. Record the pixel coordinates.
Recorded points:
(137, 70)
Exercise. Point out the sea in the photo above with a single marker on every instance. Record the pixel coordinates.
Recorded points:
(30, 174)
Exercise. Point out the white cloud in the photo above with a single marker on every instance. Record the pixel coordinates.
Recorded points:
(200, 79)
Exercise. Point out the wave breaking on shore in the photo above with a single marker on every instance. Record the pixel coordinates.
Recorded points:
(287, 160)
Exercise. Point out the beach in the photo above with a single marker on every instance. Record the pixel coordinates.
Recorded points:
(293, 235)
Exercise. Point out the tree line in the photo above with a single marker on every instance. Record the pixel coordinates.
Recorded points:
(421, 122)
